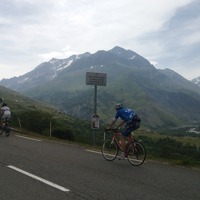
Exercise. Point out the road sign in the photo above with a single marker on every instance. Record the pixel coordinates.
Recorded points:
(95, 121)
(93, 78)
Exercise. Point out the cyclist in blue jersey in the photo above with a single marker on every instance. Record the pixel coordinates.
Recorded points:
(131, 121)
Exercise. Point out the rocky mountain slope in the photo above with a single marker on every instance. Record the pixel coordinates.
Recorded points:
(162, 98)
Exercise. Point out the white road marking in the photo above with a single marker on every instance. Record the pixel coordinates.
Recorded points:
(39, 179)
(28, 138)
(93, 151)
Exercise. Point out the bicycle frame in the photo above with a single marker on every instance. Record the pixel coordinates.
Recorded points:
(118, 134)
(114, 138)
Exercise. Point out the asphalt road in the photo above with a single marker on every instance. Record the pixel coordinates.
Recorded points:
(46, 170)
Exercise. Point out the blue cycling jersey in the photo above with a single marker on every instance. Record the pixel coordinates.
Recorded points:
(125, 114)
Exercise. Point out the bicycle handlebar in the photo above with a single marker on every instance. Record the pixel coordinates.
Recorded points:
(111, 130)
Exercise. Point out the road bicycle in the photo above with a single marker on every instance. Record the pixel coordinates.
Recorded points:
(5, 128)
(134, 150)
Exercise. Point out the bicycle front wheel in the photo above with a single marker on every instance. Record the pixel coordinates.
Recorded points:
(109, 149)
(136, 153)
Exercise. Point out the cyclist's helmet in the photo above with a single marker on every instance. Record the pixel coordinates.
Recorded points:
(118, 106)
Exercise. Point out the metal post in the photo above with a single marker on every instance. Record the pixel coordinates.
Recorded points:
(19, 123)
(94, 78)
(95, 112)
(50, 129)
(95, 99)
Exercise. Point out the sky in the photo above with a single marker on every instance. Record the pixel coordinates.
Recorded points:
(167, 33)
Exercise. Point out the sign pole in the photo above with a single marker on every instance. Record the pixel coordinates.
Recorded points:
(95, 79)
(95, 99)
(94, 137)
(95, 112)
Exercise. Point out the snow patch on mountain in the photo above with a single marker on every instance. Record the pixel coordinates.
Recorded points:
(64, 65)
(96, 66)
(196, 81)
(23, 80)
(131, 58)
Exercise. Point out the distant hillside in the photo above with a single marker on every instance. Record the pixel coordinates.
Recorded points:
(162, 98)
(33, 116)
(20, 104)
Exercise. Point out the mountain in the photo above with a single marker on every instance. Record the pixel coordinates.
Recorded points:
(41, 74)
(162, 98)
(180, 80)
(196, 81)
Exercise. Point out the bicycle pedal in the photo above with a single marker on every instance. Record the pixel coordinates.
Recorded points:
(122, 158)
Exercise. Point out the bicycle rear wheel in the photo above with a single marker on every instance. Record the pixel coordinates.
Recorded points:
(1, 130)
(109, 149)
(7, 130)
(136, 153)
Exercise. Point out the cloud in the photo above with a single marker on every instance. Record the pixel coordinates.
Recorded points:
(190, 39)
(33, 30)
(64, 53)
(176, 44)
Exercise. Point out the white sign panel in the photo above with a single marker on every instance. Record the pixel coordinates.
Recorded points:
(93, 78)
(95, 121)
